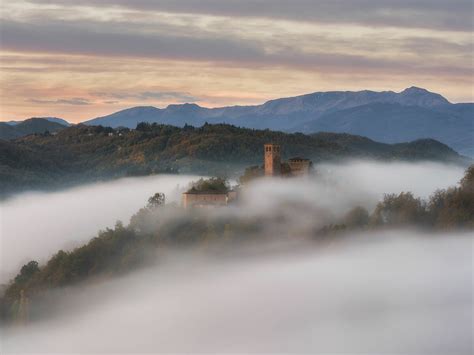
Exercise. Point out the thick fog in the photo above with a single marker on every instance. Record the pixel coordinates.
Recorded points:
(395, 291)
(387, 292)
(35, 225)
(338, 188)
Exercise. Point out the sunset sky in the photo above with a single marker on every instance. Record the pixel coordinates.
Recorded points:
(82, 59)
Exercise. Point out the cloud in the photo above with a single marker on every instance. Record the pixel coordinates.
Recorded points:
(74, 101)
(242, 52)
(180, 96)
(386, 292)
(453, 15)
(91, 39)
(71, 217)
(382, 292)
(149, 95)
(116, 40)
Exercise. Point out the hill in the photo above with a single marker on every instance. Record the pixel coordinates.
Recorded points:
(51, 119)
(87, 153)
(30, 126)
(420, 113)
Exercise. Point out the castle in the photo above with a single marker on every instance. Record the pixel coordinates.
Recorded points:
(293, 167)
(207, 198)
(220, 195)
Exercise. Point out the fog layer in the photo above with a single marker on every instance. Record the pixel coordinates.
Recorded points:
(35, 225)
(386, 292)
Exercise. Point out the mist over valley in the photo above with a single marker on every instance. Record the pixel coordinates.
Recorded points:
(261, 277)
(383, 292)
(251, 176)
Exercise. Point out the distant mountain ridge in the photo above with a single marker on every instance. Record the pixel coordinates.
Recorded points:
(386, 116)
(61, 121)
(306, 106)
(393, 123)
(34, 125)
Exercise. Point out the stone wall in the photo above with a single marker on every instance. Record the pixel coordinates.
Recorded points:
(201, 200)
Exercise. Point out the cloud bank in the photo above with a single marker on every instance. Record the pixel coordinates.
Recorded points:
(404, 293)
(433, 14)
(69, 218)
(37, 225)
(382, 292)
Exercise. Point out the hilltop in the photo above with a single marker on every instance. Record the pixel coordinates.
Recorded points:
(16, 129)
(61, 121)
(88, 153)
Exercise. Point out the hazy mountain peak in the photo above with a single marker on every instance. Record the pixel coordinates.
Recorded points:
(414, 89)
(186, 104)
(421, 97)
(140, 109)
(136, 111)
(183, 107)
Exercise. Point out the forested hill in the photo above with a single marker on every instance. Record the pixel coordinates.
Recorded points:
(87, 153)
(12, 129)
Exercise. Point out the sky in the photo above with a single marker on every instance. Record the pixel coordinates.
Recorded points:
(82, 59)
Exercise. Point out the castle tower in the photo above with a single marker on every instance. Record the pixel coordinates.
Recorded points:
(272, 160)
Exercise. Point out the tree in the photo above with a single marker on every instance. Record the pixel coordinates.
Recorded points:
(156, 200)
(144, 127)
(454, 207)
(27, 271)
(251, 173)
(402, 209)
(467, 182)
(212, 185)
(357, 217)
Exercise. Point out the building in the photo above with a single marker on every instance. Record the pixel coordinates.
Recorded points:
(300, 166)
(272, 160)
(208, 199)
(214, 192)
(273, 165)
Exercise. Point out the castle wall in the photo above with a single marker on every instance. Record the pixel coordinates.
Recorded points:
(201, 200)
(231, 196)
(300, 166)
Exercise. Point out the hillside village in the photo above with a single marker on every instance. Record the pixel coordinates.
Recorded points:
(215, 193)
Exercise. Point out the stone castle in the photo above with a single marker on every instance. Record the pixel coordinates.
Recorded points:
(293, 167)
(273, 167)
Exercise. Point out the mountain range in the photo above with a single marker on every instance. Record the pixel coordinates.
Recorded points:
(386, 116)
